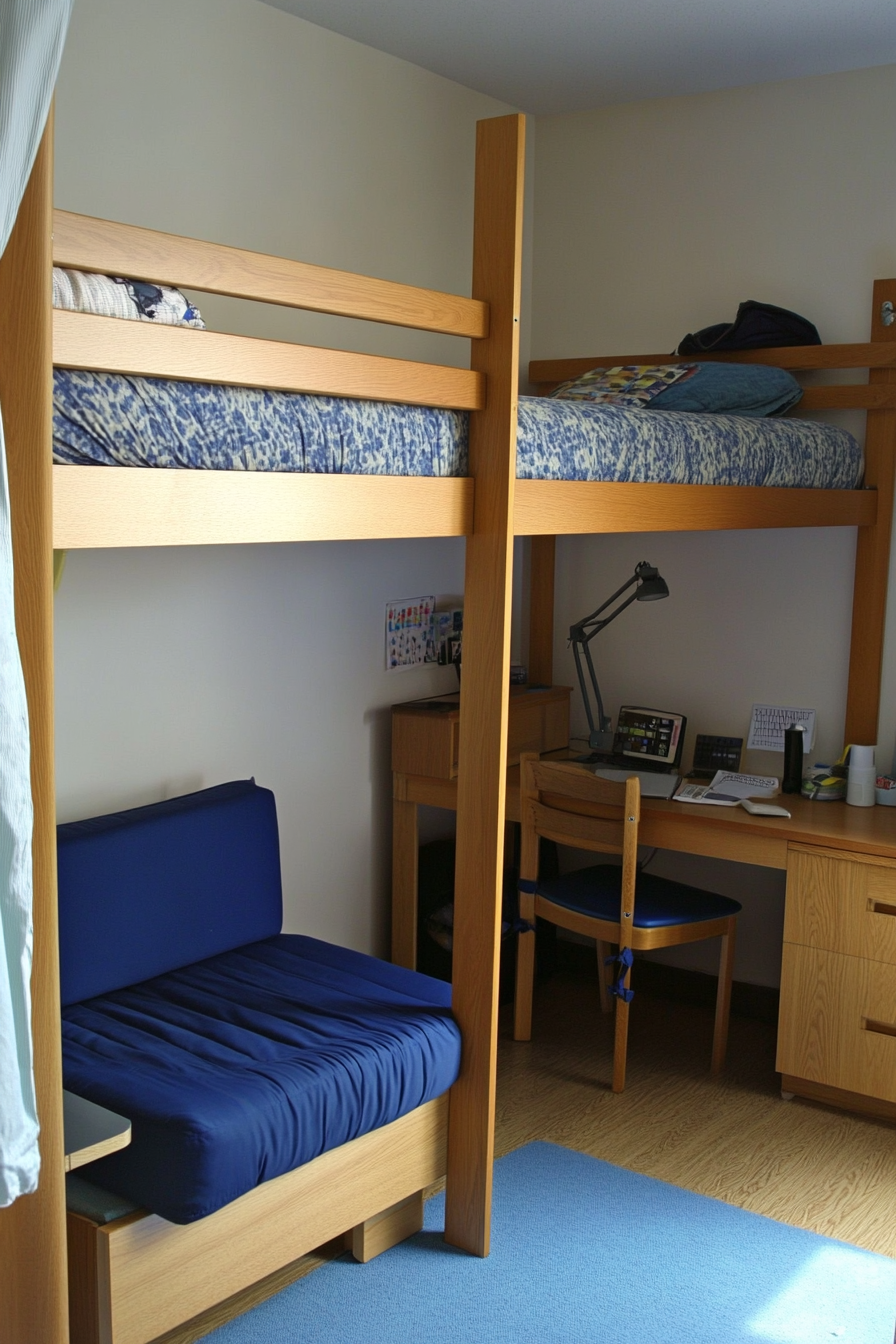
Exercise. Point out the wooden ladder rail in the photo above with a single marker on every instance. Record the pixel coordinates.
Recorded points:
(869, 603)
(33, 1280)
(497, 268)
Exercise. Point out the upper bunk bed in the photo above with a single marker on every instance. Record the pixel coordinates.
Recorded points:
(557, 492)
(126, 506)
(555, 507)
(546, 509)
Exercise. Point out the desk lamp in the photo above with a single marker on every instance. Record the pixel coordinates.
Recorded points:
(650, 587)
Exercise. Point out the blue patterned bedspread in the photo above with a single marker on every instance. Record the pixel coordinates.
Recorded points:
(111, 420)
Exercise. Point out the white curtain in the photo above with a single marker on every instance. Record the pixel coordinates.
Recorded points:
(32, 33)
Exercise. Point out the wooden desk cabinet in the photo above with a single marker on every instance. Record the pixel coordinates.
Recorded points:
(425, 733)
(425, 736)
(837, 1026)
(837, 1034)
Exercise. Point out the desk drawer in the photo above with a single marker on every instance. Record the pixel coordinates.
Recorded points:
(838, 1021)
(843, 904)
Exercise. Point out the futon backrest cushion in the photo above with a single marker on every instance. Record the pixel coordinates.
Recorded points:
(155, 888)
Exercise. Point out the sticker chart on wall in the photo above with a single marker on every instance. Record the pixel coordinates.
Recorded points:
(768, 722)
(417, 633)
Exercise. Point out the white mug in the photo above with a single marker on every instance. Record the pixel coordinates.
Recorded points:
(862, 777)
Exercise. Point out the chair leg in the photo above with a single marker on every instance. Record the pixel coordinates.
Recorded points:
(525, 973)
(620, 1047)
(604, 950)
(723, 998)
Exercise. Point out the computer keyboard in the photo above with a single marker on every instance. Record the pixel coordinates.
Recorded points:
(617, 761)
(653, 785)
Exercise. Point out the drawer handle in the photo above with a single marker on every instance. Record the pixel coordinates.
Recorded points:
(881, 1028)
(881, 908)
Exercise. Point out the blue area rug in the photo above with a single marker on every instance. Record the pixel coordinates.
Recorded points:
(587, 1253)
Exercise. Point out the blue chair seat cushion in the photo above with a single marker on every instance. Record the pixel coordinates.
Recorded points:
(659, 902)
(248, 1064)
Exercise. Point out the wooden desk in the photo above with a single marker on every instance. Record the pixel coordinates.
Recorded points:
(837, 1027)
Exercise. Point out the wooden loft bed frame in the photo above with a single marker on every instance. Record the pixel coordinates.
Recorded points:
(548, 508)
(51, 507)
(75, 507)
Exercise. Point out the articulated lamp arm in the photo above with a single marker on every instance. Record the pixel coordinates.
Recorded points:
(650, 586)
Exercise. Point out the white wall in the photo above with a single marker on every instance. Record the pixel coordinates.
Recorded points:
(657, 218)
(232, 121)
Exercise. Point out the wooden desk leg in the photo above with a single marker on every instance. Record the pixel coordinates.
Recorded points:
(723, 997)
(404, 880)
(604, 952)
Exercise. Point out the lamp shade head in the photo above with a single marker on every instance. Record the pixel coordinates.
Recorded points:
(652, 586)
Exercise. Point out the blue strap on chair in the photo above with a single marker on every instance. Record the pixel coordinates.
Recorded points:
(521, 925)
(624, 959)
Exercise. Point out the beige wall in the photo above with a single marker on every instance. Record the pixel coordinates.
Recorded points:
(232, 121)
(657, 218)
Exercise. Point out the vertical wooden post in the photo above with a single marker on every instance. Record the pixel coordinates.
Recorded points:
(33, 1290)
(405, 843)
(482, 760)
(541, 611)
(869, 605)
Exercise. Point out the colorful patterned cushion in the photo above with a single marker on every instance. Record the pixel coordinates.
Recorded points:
(626, 384)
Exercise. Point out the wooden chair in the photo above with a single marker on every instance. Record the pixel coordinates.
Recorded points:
(569, 804)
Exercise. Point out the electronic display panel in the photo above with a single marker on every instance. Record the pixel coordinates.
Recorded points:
(654, 735)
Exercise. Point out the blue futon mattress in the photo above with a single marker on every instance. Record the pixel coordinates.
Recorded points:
(241, 1067)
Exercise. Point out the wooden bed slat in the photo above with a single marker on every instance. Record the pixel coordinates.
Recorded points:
(876, 354)
(847, 397)
(164, 258)
(132, 506)
(82, 341)
(557, 507)
(481, 783)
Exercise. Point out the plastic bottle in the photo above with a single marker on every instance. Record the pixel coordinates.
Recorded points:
(793, 758)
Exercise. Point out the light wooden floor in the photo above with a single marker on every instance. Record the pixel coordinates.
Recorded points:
(731, 1137)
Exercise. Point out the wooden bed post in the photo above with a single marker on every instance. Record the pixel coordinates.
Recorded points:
(541, 610)
(32, 1231)
(497, 250)
(869, 607)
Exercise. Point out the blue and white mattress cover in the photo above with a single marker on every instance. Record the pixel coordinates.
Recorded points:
(114, 420)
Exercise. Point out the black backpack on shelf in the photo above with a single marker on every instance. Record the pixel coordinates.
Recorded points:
(758, 326)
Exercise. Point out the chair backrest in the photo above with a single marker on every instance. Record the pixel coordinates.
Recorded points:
(568, 803)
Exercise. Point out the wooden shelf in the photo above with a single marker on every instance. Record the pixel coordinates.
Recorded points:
(96, 507)
(552, 508)
(89, 244)
(150, 349)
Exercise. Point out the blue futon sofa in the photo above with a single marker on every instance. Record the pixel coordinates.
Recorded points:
(239, 1053)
